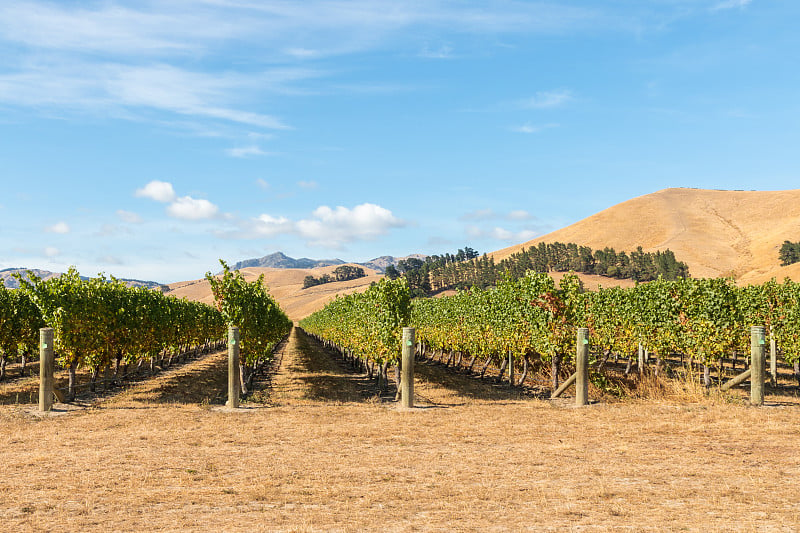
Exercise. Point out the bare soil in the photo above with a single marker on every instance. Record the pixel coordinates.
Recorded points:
(316, 448)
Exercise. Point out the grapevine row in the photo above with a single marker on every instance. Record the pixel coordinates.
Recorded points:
(534, 318)
(261, 322)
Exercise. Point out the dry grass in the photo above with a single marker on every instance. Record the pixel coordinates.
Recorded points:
(717, 233)
(286, 286)
(328, 455)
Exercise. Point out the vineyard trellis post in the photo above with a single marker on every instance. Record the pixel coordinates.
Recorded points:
(757, 364)
(407, 369)
(46, 357)
(582, 368)
(233, 367)
(511, 368)
(640, 361)
(773, 360)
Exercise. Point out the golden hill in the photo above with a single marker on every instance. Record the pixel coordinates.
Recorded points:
(717, 233)
(286, 286)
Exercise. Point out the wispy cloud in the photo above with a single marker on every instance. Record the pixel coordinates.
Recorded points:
(478, 214)
(529, 128)
(546, 99)
(246, 151)
(51, 252)
(308, 185)
(501, 234)
(730, 4)
(129, 217)
(58, 227)
(441, 52)
(162, 56)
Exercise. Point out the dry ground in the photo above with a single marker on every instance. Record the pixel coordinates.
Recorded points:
(326, 453)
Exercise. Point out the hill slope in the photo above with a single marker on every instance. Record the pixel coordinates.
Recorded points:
(286, 286)
(717, 233)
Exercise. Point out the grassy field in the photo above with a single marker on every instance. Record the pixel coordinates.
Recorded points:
(323, 451)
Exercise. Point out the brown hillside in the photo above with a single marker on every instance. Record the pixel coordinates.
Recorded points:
(717, 233)
(286, 286)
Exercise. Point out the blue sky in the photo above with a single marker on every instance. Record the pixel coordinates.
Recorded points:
(148, 139)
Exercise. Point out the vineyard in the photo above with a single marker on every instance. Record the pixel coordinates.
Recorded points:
(531, 322)
(102, 324)
(323, 453)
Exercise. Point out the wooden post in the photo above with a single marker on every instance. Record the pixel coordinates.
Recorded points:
(511, 368)
(773, 360)
(640, 365)
(757, 365)
(737, 380)
(582, 368)
(564, 386)
(46, 356)
(233, 367)
(407, 369)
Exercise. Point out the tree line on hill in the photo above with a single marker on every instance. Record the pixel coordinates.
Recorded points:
(466, 269)
(341, 273)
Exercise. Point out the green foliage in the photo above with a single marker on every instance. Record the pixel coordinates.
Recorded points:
(249, 306)
(97, 320)
(369, 324)
(789, 253)
(340, 273)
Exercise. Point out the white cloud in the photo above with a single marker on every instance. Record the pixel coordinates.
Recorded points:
(269, 226)
(188, 208)
(307, 184)
(129, 217)
(501, 234)
(160, 191)
(546, 100)
(51, 251)
(262, 183)
(246, 151)
(520, 214)
(58, 227)
(334, 227)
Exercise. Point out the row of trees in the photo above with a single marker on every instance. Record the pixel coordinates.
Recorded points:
(99, 322)
(559, 257)
(341, 273)
(466, 269)
(434, 273)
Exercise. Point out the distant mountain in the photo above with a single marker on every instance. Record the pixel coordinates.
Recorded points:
(280, 260)
(7, 277)
(380, 263)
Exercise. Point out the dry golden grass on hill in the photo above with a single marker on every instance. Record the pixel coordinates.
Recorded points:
(286, 286)
(717, 233)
